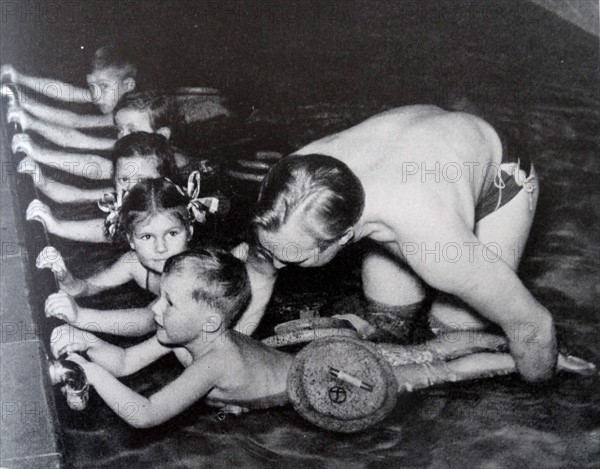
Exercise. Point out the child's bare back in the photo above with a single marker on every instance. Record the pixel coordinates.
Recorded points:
(253, 375)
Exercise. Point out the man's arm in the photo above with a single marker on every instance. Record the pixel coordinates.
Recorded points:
(486, 283)
(141, 412)
(262, 276)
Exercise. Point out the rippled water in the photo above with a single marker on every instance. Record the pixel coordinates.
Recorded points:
(335, 64)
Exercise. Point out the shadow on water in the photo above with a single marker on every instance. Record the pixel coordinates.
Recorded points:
(313, 68)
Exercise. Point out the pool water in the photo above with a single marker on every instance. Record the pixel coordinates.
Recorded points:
(310, 69)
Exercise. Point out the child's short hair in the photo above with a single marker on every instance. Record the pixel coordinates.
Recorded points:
(112, 56)
(148, 198)
(221, 280)
(145, 144)
(162, 110)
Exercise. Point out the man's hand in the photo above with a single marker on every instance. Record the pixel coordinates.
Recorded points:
(69, 339)
(61, 305)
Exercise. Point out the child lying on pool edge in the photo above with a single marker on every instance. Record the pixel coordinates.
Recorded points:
(202, 293)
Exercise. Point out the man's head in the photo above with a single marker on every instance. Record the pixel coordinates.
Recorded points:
(306, 210)
(146, 112)
(113, 74)
(201, 291)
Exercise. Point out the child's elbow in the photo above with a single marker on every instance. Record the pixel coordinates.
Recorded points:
(141, 424)
(143, 420)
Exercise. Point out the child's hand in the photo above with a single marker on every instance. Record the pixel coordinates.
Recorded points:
(22, 143)
(39, 211)
(69, 339)
(61, 305)
(9, 74)
(51, 259)
(89, 368)
(16, 114)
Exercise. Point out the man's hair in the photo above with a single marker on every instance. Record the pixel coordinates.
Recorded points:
(113, 56)
(320, 187)
(145, 144)
(221, 280)
(162, 110)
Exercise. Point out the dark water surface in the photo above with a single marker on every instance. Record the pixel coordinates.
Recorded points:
(314, 68)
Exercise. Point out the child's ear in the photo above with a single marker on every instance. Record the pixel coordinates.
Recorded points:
(129, 84)
(131, 245)
(212, 324)
(165, 132)
(346, 237)
(190, 232)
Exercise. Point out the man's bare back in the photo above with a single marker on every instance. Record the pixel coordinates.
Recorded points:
(419, 155)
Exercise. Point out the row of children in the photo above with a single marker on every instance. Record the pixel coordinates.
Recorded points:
(200, 291)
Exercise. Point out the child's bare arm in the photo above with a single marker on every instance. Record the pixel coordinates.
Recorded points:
(262, 276)
(113, 276)
(50, 87)
(141, 412)
(66, 118)
(80, 164)
(60, 135)
(117, 360)
(58, 191)
(91, 231)
(71, 138)
(133, 322)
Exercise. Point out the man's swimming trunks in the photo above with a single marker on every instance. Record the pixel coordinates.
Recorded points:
(507, 182)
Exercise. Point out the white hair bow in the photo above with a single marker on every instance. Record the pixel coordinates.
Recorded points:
(111, 203)
(198, 206)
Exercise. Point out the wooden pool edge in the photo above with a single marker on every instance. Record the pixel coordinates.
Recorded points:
(30, 435)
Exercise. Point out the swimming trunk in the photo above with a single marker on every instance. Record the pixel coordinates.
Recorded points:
(507, 182)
